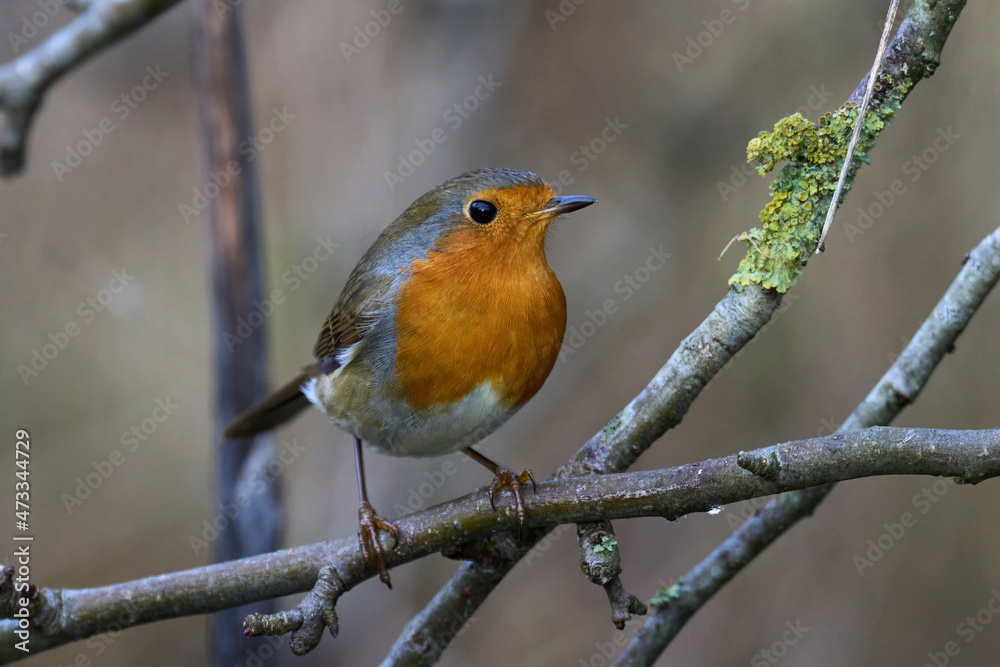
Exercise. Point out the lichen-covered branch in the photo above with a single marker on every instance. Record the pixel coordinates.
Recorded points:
(64, 615)
(23, 82)
(898, 388)
(790, 233)
(791, 224)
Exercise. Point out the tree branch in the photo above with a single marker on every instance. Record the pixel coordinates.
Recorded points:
(233, 231)
(971, 456)
(741, 314)
(898, 388)
(912, 56)
(24, 81)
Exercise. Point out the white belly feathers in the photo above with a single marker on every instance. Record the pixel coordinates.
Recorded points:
(390, 426)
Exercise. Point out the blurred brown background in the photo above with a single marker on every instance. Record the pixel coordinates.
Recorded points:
(322, 175)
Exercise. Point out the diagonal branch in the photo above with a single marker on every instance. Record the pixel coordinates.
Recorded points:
(970, 456)
(898, 388)
(913, 55)
(24, 81)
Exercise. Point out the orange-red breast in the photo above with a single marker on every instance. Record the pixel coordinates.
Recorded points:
(448, 324)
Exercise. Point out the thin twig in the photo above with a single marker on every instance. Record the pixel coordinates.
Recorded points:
(731, 242)
(872, 77)
(24, 81)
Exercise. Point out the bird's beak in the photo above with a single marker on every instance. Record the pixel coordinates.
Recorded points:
(559, 205)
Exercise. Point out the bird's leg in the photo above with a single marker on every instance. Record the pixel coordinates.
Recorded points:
(505, 477)
(369, 522)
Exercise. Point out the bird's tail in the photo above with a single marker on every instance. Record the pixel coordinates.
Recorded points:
(274, 410)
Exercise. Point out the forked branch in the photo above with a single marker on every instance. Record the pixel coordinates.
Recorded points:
(61, 616)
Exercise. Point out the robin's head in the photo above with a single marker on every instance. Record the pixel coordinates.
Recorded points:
(495, 208)
(478, 305)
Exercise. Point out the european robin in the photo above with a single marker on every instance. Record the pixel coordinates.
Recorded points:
(448, 324)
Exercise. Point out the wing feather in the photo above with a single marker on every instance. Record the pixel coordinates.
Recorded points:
(364, 298)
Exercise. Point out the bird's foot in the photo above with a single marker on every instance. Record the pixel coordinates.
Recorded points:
(368, 526)
(505, 477)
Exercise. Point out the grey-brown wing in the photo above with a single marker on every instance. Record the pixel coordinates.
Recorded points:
(360, 304)
(366, 296)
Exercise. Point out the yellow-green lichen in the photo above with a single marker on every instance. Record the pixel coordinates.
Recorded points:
(791, 222)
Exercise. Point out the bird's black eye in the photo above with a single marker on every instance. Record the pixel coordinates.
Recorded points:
(482, 211)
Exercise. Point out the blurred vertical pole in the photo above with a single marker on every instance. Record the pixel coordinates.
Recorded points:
(248, 518)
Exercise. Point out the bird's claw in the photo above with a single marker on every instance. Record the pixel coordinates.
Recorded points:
(368, 526)
(506, 478)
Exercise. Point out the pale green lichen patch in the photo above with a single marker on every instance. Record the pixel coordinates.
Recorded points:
(791, 222)
(664, 596)
(608, 543)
